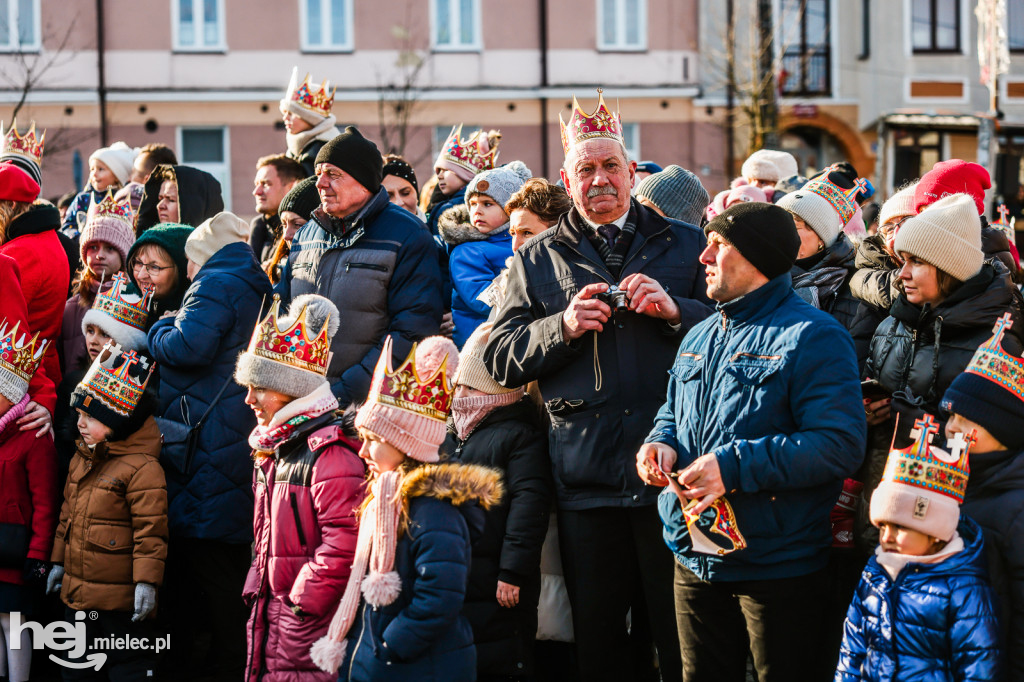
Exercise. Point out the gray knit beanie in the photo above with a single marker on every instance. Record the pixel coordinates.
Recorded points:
(499, 183)
(946, 234)
(677, 192)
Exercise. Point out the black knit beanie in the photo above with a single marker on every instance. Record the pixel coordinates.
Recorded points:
(302, 199)
(764, 234)
(357, 156)
(400, 168)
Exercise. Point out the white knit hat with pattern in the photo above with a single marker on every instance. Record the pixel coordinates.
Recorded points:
(947, 234)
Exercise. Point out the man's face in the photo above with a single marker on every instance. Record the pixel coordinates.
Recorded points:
(728, 274)
(269, 190)
(340, 194)
(599, 179)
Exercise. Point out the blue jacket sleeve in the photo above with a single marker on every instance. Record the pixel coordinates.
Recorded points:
(974, 633)
(79, 203)
(192, 338)
(853, 649)
(664, 429)
(829, 441)
(471, 274)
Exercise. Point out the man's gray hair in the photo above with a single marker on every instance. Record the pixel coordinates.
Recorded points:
(572, 151)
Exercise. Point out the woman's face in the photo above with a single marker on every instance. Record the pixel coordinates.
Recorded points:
(100, 176)
(810, 242)
(95, 339)
(265, 403)
(291, 222)
(294, 124)
(102, 259)
(524, 224)
(154, 269)
(380, 455)
(401, 192)
(167, 202)
(920, 280)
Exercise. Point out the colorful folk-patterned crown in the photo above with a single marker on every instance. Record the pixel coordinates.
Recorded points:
(405, 389)
(581, 127)
(292, 346)
(27, 146)
(20, 355)
(473, 153)
(927, 467)
(842, 200)
(117, 379)
(315, 98)
(991, 362)
(127, 308)
(109, 208)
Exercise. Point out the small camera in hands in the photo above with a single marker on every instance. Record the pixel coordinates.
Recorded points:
(615, 298)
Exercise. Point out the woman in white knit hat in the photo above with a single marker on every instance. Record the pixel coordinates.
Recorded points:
(877, 263)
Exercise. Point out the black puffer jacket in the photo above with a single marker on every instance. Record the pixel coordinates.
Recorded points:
(874, 282)
(509, 439)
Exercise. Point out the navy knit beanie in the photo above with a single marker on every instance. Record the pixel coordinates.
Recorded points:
(764, 234)
(302, 199)
(357, 156)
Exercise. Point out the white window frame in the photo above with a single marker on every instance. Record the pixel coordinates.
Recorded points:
(12, 17)
(220, 46)
(966, 22)
(222, 170)
(475, 46)
(325, 20)
(632, 152)
(620, 45)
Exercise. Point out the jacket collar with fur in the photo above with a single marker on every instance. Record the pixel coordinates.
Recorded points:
(458, 484)
(455, 227)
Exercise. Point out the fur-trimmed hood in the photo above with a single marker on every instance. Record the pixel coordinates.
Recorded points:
(456, 483)
(455, 228)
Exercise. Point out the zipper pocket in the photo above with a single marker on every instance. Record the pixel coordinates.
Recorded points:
(754, 356)
(366, 266)
(298, 522)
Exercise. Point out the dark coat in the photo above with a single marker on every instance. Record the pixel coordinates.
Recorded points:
(422, 635)
(995, 499)
(196, 352)
(380, 268)
(510, 440)
(595, 433)
(307, 158)
(199, 198)
(263, 235)
(934, 623)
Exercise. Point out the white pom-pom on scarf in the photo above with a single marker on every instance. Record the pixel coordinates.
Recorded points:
(328, 654)
(381, 588)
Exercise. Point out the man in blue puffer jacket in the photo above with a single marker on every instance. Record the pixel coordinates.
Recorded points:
(764, 408)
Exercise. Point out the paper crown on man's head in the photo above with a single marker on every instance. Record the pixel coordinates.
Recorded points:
(473, 153)
(582, 126)
(27, 146)
(20, 355)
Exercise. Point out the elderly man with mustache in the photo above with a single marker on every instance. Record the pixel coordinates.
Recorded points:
(602, 364)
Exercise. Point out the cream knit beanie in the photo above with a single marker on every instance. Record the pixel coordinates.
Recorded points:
(214, 234)
(899, 204)
(760, 166)
(472, 369)
(946, 234)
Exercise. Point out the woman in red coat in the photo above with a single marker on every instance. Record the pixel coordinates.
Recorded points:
(308, 484)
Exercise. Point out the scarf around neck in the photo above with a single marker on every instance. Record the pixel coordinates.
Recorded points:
(468, 412)
(325, 130)
(893, 562)
(283, 425)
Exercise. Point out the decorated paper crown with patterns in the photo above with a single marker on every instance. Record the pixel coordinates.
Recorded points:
(1006, 223)
(315, 98)
(28, 146)
(117, 379)
(110, 209)
(125, 307)
(405, 389)
(20, 355)
(927, 467)
(991, 362)
(292, 346)
(842, 200)
(473, 153)
(583, 126)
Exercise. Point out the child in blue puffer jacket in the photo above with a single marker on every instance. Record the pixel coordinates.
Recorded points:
(924, 609)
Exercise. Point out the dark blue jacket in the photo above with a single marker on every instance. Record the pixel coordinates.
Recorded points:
(422, 635)
(196, 352)
(935, 622)
(770, 386)
(473, 267)
(443, 250)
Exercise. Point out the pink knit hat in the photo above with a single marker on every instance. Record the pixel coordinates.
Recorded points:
(409, 407)
(745, 193)
(112, 222)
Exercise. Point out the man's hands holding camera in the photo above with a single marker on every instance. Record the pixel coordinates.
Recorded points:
(590, 308)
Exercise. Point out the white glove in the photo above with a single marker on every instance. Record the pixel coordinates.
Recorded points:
(145, 601)
(53, 579)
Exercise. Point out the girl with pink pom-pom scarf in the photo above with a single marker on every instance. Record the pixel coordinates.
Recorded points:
(400, 616)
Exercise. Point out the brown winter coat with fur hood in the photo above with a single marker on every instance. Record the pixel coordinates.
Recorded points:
(113, 524)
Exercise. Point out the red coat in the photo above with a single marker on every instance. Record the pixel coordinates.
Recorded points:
(13, 309)
(28, 491)
(305, 530)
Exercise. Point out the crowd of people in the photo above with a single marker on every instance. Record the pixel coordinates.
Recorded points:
(495, 427)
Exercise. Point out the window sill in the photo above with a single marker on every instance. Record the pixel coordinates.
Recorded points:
(21, 49)
(217, 49)
(469, 49)
(944, 53)
(333, 49)
(621, 49)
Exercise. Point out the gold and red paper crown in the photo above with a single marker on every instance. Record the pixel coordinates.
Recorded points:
(991, 362)
(922, 465)
(581, 127)
(117, 379)
(842, 200)
(116, 302)
(292, 346)
(27, 146)
(109, 208)
(20, 355)
(315, 98)
(473, 153)
(405, 389)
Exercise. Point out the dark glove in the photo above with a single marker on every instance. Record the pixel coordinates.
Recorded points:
(35, 571)
(296, 609)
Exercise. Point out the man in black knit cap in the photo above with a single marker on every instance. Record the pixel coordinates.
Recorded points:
(371, 258)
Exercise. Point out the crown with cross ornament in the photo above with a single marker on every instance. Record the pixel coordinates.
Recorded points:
(293, 346)
(116, 379)
(583, 126)
(844, 201)
(125, 307)
(109, 208)
(1005, 223)
(474, 153)
(404, 388)
(317, 99)
(20, 356)
(991, 362)
(929, 468)
(27, 146)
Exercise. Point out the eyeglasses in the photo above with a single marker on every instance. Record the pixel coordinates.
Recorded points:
(152, 269)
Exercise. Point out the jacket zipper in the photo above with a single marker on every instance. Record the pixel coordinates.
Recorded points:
(362, 630)
(755, 356)
(367, 266)
(270, 537)
(298, 521)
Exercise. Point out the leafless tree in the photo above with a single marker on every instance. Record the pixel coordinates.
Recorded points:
(398, 94)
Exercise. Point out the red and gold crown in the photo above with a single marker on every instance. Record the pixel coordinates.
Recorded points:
(119, 304)
(108, 207)
(117, 379)
(405, 389)
(312, 97)
(27, 146)
(473, 153)
(991, 362)
(292, 346)
(924, 466)
(720, 519)
(582, 127)
(20, 356)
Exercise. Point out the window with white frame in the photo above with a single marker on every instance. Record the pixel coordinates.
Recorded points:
(935, 26)
(326, 25)
(207, 149)
(198, 24)
(631, 138)
(19, 25)
(622, 24)
(456, 24)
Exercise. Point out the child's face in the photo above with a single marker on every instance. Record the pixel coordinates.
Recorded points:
(463, 391)
(294, 124)
(986, 441)
(486, 214)
(380, 455)
(448, 182)
(265, 403)
(102, 259)
(100, 176)
(896, 538)
(92, 431)
(95, 339)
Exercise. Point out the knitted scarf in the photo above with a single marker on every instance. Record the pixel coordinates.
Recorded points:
(468, 412)
(324, 130)
(14, 414)
(375, 550)
(282, 426)
(820, 284)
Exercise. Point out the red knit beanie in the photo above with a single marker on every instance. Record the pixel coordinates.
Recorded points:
(16, 185)
(952, 177)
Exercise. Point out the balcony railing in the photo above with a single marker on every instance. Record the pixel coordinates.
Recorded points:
(807, 73)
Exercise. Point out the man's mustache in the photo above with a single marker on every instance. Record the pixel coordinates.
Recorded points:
(598, 191)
